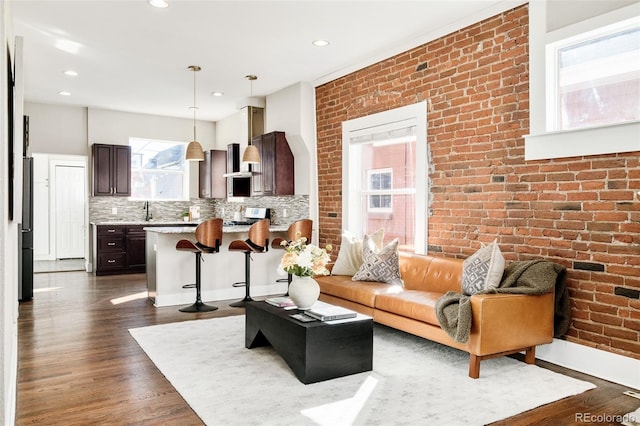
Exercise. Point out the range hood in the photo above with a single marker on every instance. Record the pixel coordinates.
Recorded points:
(252, 125)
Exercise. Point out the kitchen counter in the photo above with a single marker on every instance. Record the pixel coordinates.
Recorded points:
(169, 269)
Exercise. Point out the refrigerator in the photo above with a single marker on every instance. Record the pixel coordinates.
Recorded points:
(25, 239)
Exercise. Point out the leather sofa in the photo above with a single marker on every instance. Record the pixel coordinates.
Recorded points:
(502, 324)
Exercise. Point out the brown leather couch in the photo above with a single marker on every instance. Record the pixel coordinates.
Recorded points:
(501, 323)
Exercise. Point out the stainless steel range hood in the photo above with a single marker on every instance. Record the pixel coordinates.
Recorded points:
(252, 126)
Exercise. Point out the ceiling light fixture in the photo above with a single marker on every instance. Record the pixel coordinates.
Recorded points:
(217, 93)
(71, 73)
(251, 154)
(320, 43)
(194, 149)
(64, 93)
(160, 4)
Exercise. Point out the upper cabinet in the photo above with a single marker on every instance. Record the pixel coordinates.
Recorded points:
(111, 170)
(212, 181)
(274, 175)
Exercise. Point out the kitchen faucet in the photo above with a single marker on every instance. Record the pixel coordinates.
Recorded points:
(148, 216)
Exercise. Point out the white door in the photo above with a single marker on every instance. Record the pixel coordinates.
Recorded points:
(42, 247)
(70, 211)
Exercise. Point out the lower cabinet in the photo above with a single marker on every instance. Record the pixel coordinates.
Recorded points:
(120, 249)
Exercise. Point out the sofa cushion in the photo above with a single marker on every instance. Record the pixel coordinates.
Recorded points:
(350, 255)
(363, 292)
(379, 265)
(415, 304)
(483, 269)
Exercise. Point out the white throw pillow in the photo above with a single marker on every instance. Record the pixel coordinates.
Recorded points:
(382, 265)
(350, 255)
(483, 269)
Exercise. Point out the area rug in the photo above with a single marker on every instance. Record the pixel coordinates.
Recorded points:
(414, 381)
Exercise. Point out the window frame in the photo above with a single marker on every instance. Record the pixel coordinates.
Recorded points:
(544, 144)
(402, 117)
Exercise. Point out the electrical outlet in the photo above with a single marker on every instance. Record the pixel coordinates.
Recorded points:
(285, 213)
(114, 210)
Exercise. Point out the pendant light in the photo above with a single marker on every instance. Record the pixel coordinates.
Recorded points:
(194, 149)
(251, 154)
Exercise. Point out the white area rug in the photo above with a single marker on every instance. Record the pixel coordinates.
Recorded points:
(414, 381)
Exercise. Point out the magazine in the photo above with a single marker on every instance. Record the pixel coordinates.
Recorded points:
(280, 302)
(327, 312)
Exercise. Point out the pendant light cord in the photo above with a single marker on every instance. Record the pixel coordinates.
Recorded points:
(194, 105)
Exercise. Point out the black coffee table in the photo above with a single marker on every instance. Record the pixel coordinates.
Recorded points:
(315, 351)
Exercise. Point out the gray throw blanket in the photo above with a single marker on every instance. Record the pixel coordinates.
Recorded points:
(527, 277)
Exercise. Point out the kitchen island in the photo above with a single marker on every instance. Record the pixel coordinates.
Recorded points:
(168, 269)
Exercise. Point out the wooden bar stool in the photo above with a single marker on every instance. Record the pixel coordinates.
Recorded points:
(208, 239)
(298, 229)
(258, 242)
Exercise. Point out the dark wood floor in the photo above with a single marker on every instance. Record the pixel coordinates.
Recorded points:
(78, 364)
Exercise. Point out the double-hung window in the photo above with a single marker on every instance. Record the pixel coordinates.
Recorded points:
(158, 170)
(384, 176)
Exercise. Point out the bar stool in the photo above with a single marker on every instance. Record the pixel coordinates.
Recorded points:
(298, 229)
(258, 242)
(208, 239)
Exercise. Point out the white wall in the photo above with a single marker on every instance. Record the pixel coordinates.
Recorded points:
(8, 242)
(56, 129)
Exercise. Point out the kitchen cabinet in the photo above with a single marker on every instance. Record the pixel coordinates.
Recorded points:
(212, 183)
(111, 170)
(135, 257)
(110, 249)
(274, 175)
(121, 249)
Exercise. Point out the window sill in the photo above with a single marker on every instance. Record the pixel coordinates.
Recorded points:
(583, 142)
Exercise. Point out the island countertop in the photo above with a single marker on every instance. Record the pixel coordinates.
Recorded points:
(168, 269)
(225, 229)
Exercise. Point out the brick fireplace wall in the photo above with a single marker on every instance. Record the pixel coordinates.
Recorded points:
(581, 212)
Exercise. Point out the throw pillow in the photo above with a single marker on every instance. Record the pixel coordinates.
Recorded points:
(350, 255)
(483, 270)
(382, 265)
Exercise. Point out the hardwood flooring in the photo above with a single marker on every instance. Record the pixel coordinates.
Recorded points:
(78, 365)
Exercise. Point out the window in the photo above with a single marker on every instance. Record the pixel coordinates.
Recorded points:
(596, 79)
(384, 175)
(379, 190)
(584, 82)
(158, 170)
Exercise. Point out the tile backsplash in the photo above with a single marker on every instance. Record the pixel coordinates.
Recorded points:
(100, 208)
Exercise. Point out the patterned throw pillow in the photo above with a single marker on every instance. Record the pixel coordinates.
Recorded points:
(379, 265)
(483, 269)
(350, 255)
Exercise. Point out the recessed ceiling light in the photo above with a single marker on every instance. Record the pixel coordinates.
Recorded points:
(64, 93)
(71, 73)
(217, 93)
(320, 43)
(161, 4)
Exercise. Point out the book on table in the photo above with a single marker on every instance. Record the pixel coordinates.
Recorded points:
(280, 302)
(326, 312)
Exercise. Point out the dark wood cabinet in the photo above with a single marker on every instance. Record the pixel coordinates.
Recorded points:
(111, 170)
(274, 175)
(120, 249)
(212, 181)
(110, 253)
(135, 237)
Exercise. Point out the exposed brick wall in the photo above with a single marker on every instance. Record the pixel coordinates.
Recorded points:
(580, 212)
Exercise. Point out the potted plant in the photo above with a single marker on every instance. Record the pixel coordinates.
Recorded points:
(186, 216)
(303, 261)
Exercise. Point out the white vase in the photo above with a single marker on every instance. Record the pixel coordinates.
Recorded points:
(304, 291)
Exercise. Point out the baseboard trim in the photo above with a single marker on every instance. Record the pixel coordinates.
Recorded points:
(595, 362)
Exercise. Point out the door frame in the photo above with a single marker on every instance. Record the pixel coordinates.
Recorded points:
(70, 161)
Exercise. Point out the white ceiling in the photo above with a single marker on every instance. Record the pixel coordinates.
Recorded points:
(133, 57)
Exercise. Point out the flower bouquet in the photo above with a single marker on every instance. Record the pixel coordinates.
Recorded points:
(304, 260)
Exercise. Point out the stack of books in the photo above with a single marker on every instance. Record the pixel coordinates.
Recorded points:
(281, 302)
